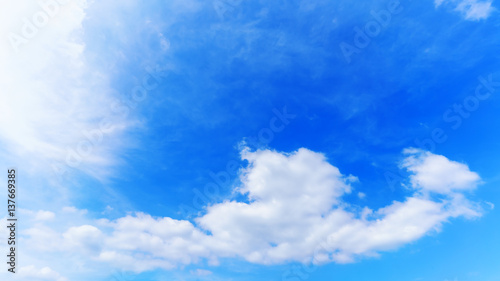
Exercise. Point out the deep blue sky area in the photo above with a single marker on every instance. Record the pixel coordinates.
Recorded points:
(230, 72)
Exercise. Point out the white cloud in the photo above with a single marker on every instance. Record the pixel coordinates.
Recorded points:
(71, 209)
(85, 237)
(43, 238)
(295, 212)
(168, 241)
(491, 205)
(44, 215)
(52, 102)
(290, 196)
(471, 9)
(164, 43)
(45, 273)
(436, 173)
(361, 195)
(201, 272)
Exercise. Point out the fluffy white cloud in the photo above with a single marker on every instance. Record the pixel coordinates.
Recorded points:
(173, 241)
(86, 237)
(471, 9)
(291, 198)
(44, 215)
(436, 173)
(295, 211)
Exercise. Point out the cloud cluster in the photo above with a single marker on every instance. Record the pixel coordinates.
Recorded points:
(295, 210)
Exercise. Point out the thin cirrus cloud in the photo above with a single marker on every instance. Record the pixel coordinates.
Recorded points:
(294, 212)
(470, 9)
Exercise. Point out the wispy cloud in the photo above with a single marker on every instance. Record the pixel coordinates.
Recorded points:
(52, 101)
(470, 9)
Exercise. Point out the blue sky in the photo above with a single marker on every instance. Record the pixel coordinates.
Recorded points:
(253, 140)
